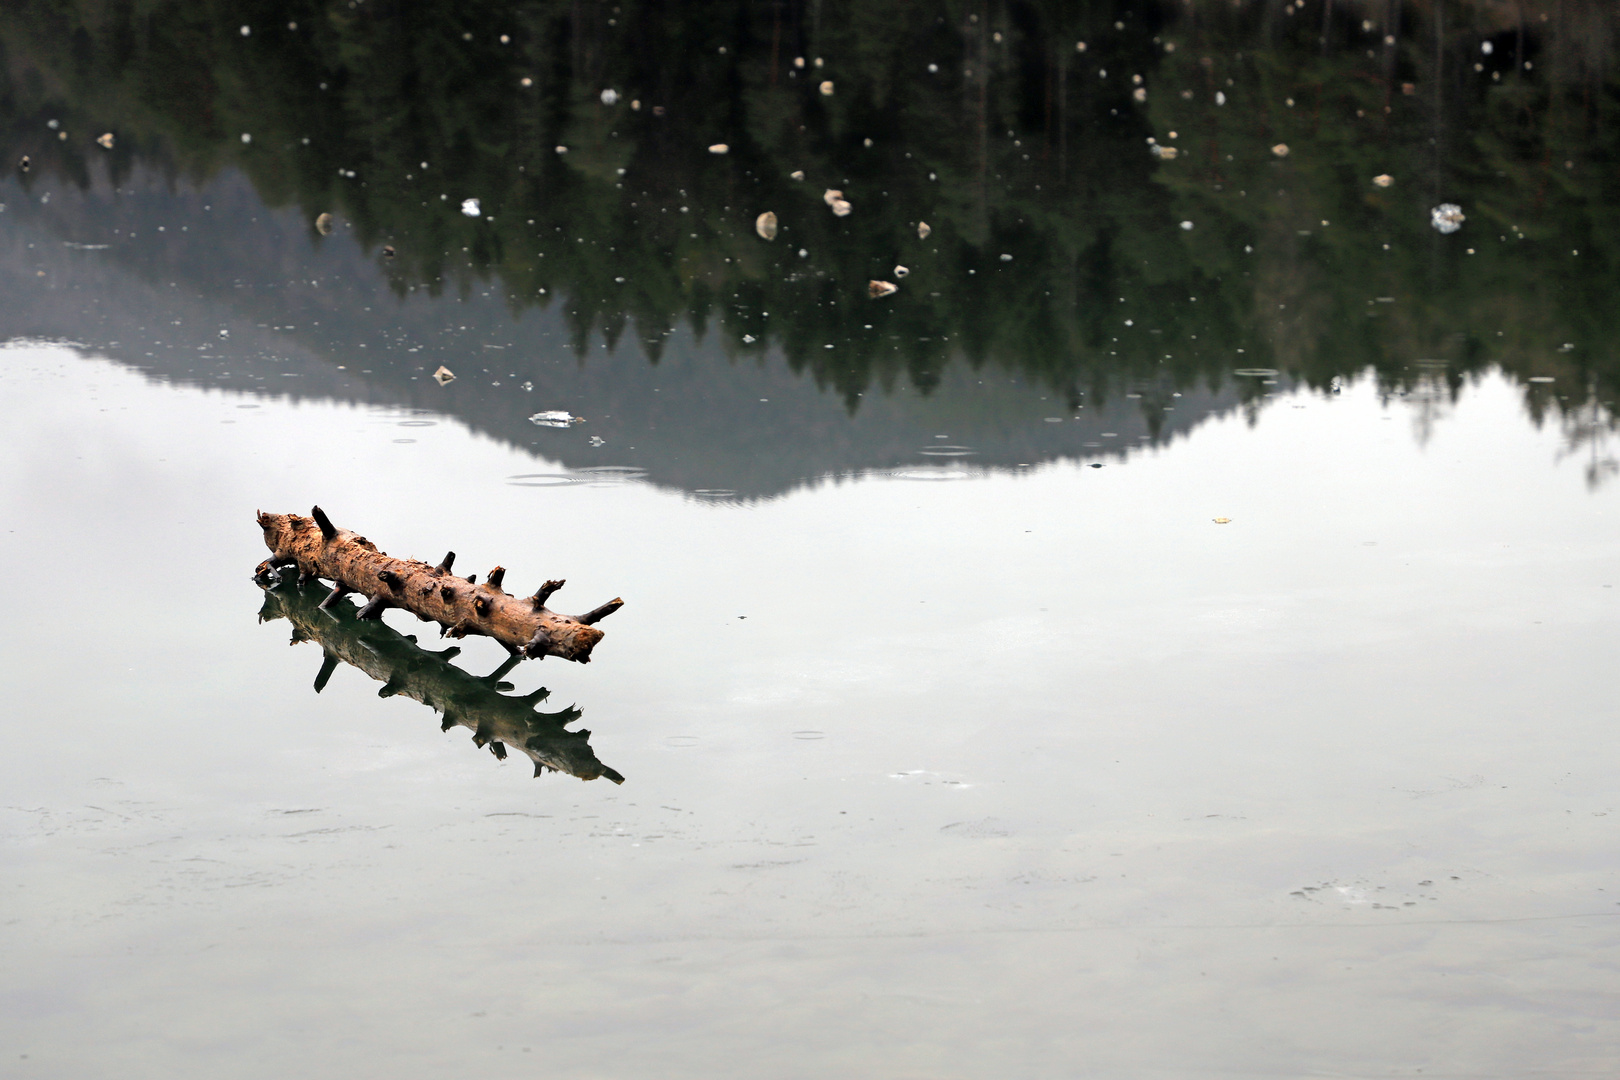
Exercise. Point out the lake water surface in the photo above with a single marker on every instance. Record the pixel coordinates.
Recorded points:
(1165, 652)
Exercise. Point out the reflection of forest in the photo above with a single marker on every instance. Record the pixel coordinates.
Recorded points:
(404, 668)
(989, 122)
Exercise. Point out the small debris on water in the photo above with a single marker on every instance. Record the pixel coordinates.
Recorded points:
(388, 251)
(1281, 149)
(471, 207)
(827, 88)
(901, 271)
(1140, 93)
(105, 141)
(444, 376)
(1187, 226)
(610, 97)
(879, 289)
(765, 225)
(323, 224)
(841, 208)
(1166, 153)
(1447, 217)
(923, 230)
(597, 440)
(1541, 379)
(1223, 521)
(719, 148)
(796, 174)
(26, 163)
(1005, 257)
(1383, 180)
(831, 195)
(555, 418)
(749, 339)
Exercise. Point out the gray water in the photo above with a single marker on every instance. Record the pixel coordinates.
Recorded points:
(1257, 724)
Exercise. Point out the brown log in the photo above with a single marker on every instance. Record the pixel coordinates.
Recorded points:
(352, 563)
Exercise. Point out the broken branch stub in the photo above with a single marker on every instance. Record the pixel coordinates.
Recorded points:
(353, 564)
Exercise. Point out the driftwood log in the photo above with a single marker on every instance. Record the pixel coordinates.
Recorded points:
(497, 720)
(461, 606)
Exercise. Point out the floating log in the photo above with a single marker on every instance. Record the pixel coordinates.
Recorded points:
(523, 624)
(404, 668)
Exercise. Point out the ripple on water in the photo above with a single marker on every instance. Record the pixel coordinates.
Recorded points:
(681, 740)
(809, 736)
(1256, 372)
(606, 475)
(417, 423)
(714, 493)
(947, 451)
(541, 480)
(929, 473)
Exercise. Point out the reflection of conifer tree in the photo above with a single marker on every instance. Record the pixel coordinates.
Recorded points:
(1015, 145)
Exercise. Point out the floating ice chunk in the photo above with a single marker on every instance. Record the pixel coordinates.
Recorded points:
(444, 376)
(901, 271)
(471, 208)
(597, 440)
(555, 418)
(1447, 217)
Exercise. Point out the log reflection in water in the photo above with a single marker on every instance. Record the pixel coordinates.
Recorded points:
(496, 720)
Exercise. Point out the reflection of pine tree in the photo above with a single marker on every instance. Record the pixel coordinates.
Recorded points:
(1015, 145)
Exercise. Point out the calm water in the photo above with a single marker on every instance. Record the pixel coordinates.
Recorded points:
(1171, 636)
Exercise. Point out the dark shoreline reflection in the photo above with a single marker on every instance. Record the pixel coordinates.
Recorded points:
(1190, 194)
(497, 720)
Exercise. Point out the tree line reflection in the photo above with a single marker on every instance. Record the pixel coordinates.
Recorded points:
(1117, 194)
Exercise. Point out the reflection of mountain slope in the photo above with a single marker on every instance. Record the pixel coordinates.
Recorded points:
(405, 669)
(232, 295)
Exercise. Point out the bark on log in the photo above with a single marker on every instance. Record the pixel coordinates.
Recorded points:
(406, 669)
(460, 606)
